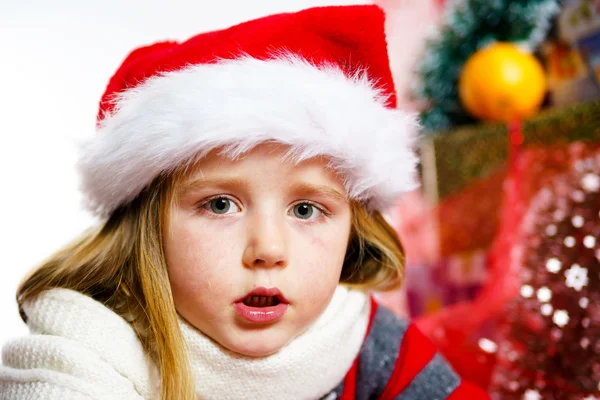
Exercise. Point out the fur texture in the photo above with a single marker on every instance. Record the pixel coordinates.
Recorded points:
(177, 117)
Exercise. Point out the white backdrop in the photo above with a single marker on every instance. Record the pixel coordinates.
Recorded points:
(55, 60)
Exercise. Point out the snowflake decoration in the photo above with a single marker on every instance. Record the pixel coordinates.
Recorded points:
(576, 277)
(578, 196)
(544, 294)
(531, 394)
(569, 241)
(553, 265)
(526, 291)
(547, 309)
(559, 215)
(560, 318)
(586, 323)
(589, 241)
(591, 182)
(551, 230)
(584, 342)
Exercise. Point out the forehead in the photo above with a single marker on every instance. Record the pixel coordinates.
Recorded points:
(265, 162)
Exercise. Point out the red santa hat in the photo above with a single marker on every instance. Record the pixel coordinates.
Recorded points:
(317, 80)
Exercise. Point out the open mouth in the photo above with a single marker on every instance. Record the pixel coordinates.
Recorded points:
(261, 301)
(262, 305)
(263, 297)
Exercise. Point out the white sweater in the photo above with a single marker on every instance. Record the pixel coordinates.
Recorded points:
(80, 349)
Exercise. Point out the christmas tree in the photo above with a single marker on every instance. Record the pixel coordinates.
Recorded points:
(469, 26)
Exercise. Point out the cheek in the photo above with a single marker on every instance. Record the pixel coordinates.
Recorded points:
(322, 255)
(319, 265)
(199, 260)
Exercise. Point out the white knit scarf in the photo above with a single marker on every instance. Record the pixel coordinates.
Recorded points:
(308, 367)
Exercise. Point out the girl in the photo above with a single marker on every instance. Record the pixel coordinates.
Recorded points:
(241, 175)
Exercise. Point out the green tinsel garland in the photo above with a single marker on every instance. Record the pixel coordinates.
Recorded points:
(471, 25)
(468, 153)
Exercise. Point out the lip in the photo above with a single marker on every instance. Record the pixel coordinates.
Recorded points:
(262, 315)
(262, 291)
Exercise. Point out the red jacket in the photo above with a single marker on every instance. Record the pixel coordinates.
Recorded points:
(397, 361)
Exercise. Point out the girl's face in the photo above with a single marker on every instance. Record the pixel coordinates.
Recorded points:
(255, 247)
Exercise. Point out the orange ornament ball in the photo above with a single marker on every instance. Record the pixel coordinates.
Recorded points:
(501, 82)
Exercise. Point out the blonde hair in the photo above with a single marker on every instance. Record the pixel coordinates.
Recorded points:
(122, 265)
(375, 257)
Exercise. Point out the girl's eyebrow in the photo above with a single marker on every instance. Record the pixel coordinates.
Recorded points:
(297, 188)
(305, 188)
(226, 183)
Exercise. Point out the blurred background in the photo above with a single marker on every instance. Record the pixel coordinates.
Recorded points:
(503, 259)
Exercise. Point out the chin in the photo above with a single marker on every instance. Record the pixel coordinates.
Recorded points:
(256, 344)
(258, 351)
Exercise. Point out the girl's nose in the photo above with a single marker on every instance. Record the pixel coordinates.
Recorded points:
(267, 243)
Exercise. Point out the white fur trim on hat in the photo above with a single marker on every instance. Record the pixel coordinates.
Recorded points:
(178, 117)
